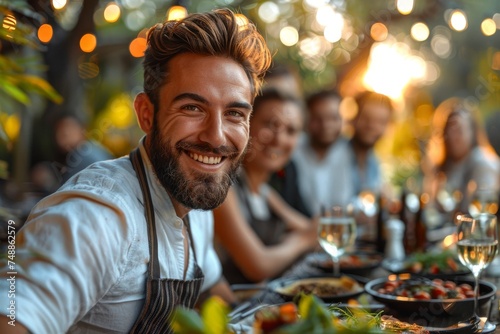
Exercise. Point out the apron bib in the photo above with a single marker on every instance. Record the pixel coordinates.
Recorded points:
(162, 295)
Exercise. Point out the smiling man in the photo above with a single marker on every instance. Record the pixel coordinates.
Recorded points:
(125, 241)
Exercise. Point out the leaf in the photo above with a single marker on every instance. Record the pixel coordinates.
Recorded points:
(215, 315)
(186, 321)
(41, 86)
(15, 92)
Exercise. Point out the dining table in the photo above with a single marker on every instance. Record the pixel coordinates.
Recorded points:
(307, 266)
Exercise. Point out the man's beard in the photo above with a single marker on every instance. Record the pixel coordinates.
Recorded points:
(194, 190)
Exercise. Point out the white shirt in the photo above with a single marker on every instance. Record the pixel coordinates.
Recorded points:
(85, 252)
(327, 181)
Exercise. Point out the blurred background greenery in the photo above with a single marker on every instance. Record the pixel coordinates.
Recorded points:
(84, 57)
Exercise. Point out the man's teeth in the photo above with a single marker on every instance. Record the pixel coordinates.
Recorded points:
(205, 159)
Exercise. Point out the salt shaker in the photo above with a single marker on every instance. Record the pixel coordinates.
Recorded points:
(394, 247)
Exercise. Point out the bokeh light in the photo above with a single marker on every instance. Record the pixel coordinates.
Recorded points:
(315, 3)
(135, 20)
(269, 12)
(458, 20)
(496, 18)
(45, 33)
(405, 7)
(289, 36)
(9, 22)
(420, 32)
(488, 27)
(12, 126)
(88, 43)
(495, 64)
(176, 13)
(132, 4)
(88, 70)
(391, 67)
(59, 4)
(112, 12)
(325, 15)
(379, 32)
(441, 46)
(137, 47)
(334, 29)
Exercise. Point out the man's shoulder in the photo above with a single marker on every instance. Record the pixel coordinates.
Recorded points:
(104, 177)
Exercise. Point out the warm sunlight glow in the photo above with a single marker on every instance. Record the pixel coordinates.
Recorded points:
(241, 20)
(176, 13)
(419, 32)
(488, 27)
(391, 67)
(88, 43)
(137, 47)
(379, 32)
(289, 36)
(405, 7)
(112, 12)
(458, 20)
(45, 33)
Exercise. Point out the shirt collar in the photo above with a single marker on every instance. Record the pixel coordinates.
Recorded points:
(161, 198)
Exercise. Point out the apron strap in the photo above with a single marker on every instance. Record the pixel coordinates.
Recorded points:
(190, 236)
(138, 164)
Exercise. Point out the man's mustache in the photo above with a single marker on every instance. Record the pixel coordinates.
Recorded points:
(228, 151)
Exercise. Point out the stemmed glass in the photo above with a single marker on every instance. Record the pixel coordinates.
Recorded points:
(483, 201)
(336, 233)
(477, 242)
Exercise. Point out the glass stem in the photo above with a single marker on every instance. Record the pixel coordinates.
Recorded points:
(336, 266)
(476, 292)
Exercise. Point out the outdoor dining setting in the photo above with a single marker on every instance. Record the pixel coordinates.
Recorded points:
(250, 166)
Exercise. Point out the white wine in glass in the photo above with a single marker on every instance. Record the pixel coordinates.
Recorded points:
(477, 243)
(336, 233)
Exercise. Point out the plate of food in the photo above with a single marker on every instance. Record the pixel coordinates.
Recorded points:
(431, 299)
(432, 265)
(329, 289)
(353, 263)
(317, 318)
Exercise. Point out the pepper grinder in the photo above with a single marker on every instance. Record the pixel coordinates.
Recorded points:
(394, 246)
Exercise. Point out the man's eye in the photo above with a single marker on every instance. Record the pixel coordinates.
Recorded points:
(190, 107)
(236, 113)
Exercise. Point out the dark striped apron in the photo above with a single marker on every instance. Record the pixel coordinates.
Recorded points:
(162, 295)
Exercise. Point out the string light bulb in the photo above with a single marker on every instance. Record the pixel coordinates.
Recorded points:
(176, 13)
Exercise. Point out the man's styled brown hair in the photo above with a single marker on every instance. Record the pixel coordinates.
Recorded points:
(215, 33)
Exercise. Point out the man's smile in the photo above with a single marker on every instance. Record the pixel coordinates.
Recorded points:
(205, 159)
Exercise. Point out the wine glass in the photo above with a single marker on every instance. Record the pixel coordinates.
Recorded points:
(336, 233)
(477, 243)
(483, 200)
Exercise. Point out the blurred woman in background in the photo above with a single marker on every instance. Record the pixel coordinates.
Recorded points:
(258, 233)
(463, 168)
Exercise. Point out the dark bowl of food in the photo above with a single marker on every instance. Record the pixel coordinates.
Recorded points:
(329, 289)
(425, 298)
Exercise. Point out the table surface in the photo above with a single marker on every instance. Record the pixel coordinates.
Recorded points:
(306, 268)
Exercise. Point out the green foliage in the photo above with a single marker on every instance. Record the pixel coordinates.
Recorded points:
(15, 84)
(213, 319)
(315, 318)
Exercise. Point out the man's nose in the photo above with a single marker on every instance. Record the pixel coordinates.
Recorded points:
(213, 131)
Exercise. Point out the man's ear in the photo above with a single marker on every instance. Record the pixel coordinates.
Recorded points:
(144, 110)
